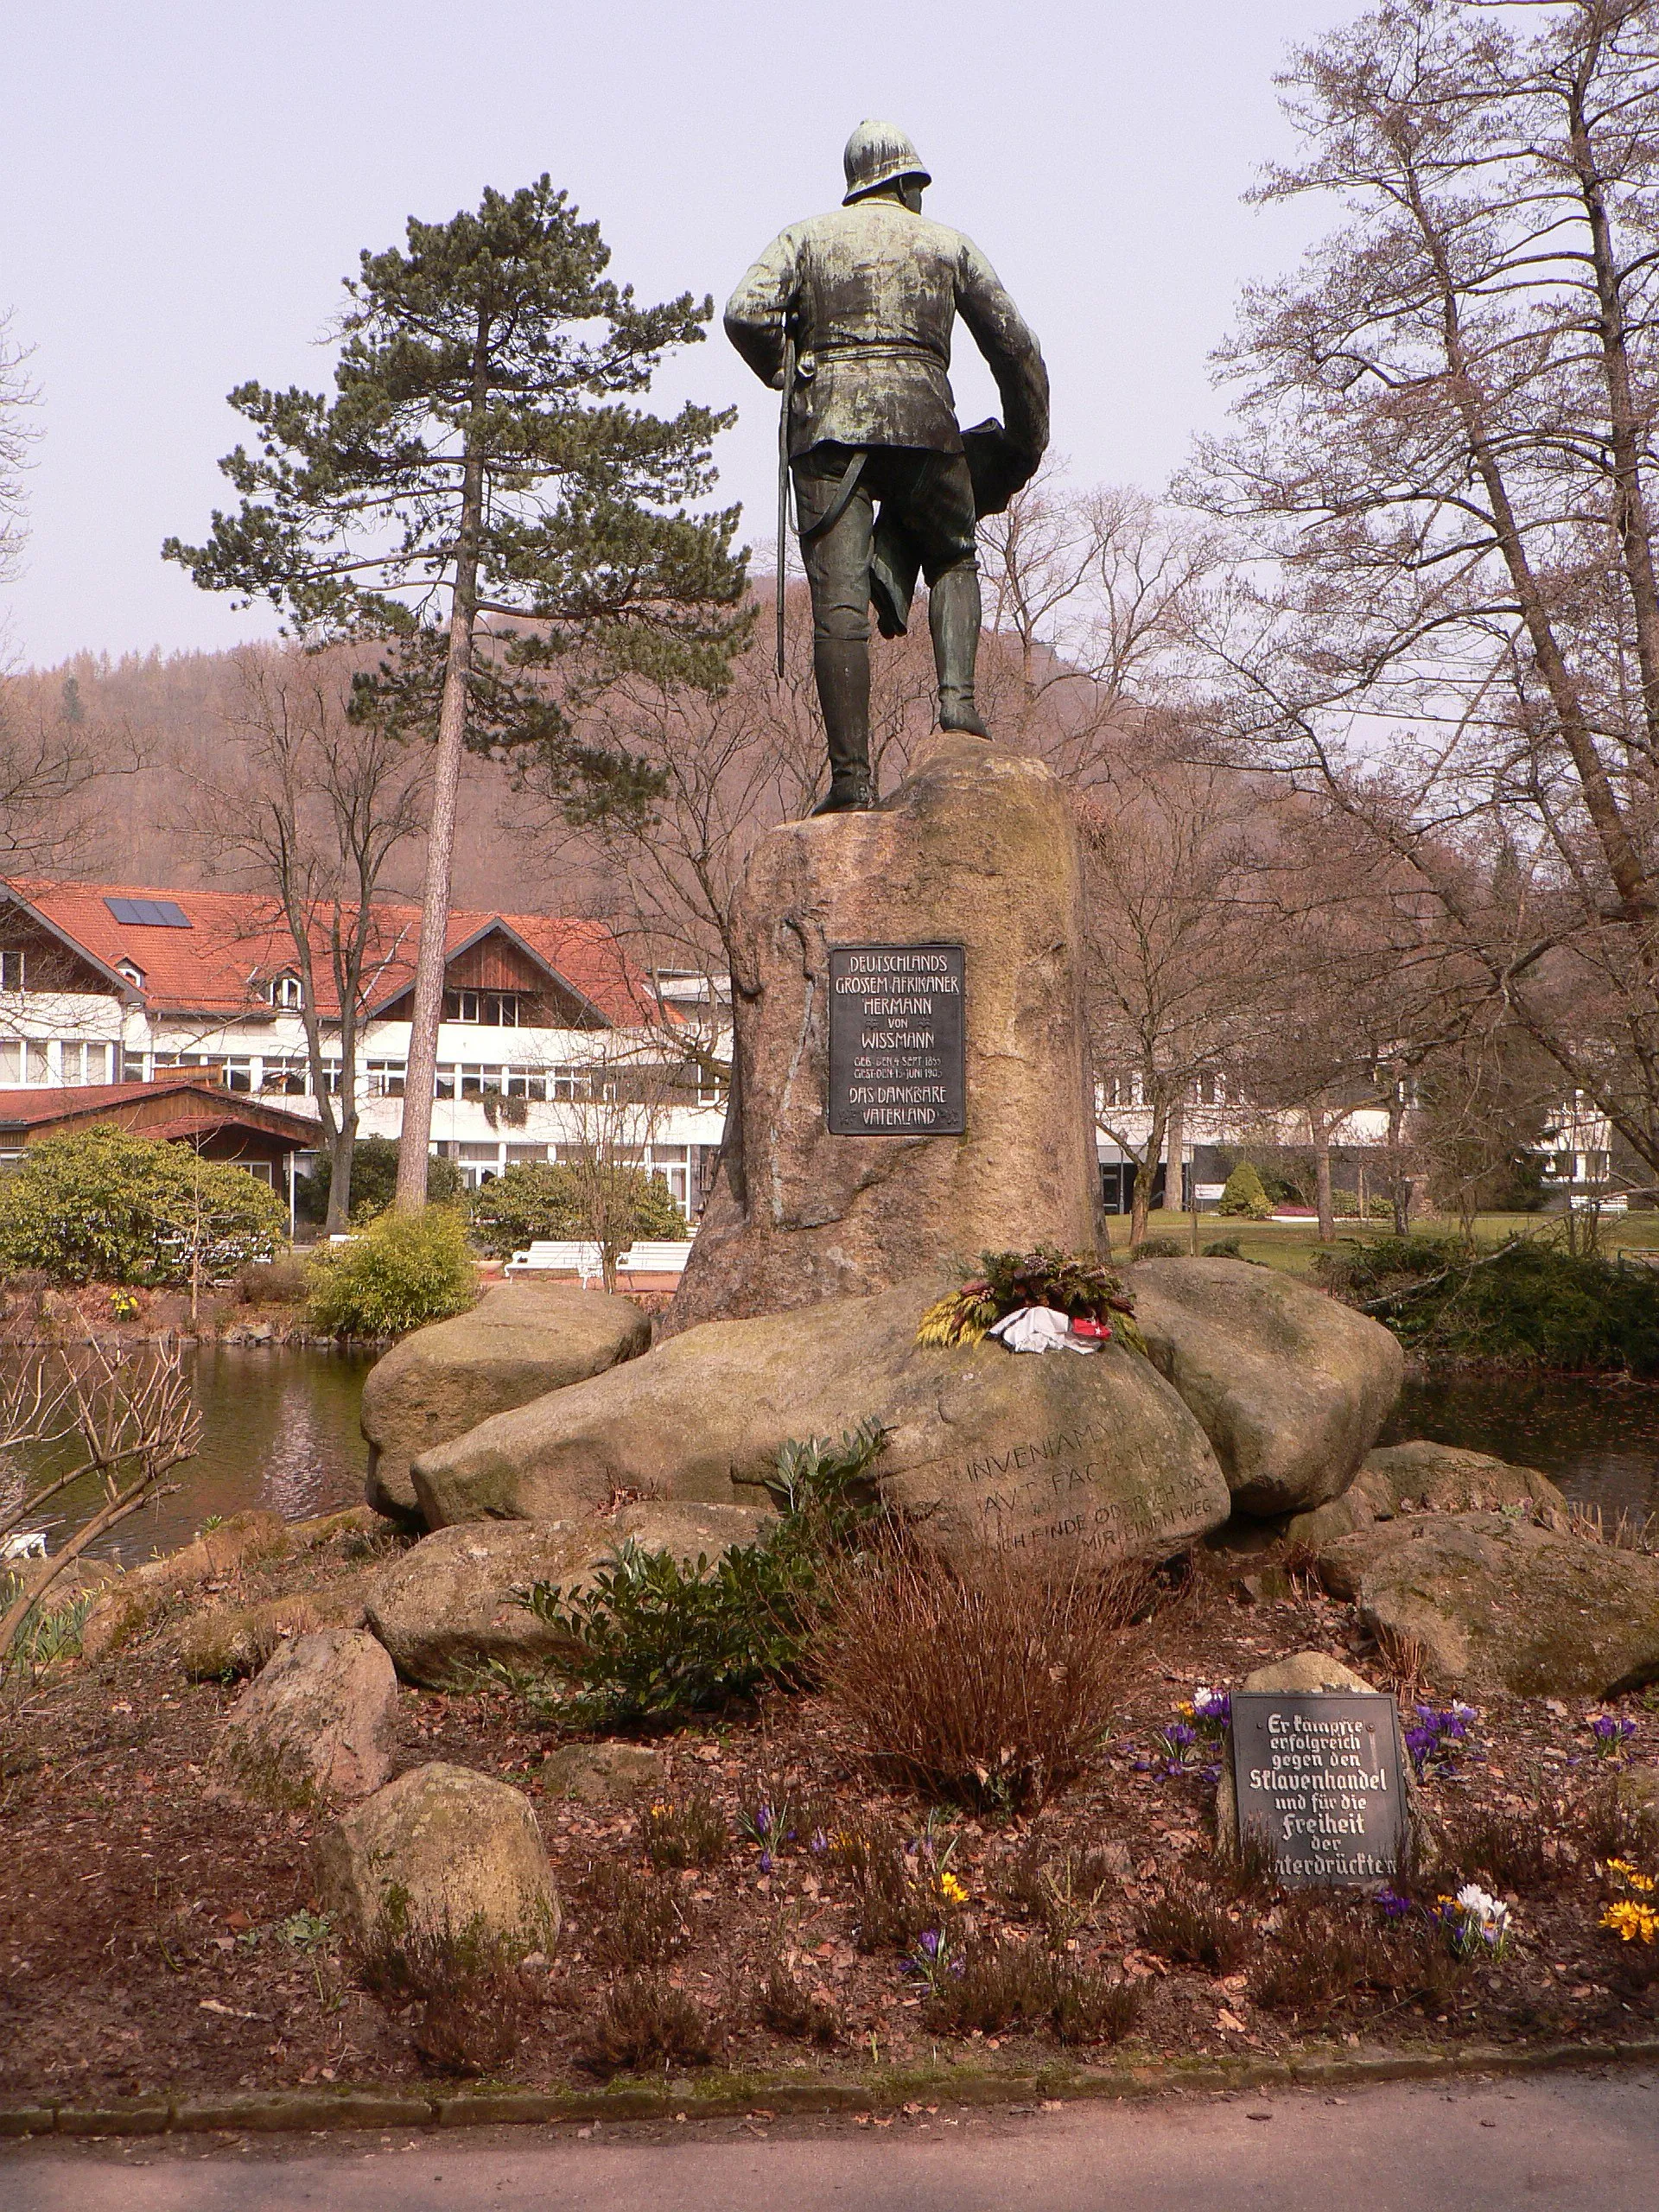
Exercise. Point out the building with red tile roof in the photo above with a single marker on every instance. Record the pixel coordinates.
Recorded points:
(124, 984)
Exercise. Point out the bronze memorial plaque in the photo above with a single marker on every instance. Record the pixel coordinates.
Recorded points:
(897, 1062)
(1318, 1774)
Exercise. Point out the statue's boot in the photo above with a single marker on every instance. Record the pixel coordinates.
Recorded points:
(843, 669)
(953, 618)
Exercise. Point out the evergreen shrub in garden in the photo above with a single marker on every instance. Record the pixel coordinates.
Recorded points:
(374, 1181)
(405, 1269)
(535, 1198)
(101, 1205)
(1531, 1305)
(1246, 1194)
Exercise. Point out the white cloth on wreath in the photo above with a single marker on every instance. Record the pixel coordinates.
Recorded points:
(1038, 1328)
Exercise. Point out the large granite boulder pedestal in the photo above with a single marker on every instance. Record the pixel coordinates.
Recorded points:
(1290, 1387)
(520, 1340)
(452, 1601)
(1495, 1602)
(984, 1446)
(977, 848)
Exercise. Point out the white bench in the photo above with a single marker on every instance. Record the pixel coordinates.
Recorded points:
(664, 1258)
(548, 1254)
(586, 1262)
(1587, 1202)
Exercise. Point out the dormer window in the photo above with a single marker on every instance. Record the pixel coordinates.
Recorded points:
(133, 973)
(285, 992)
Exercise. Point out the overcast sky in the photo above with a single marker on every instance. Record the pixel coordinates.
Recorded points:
(185, 186)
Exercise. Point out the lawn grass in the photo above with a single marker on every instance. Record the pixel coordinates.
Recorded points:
(1291, 1246)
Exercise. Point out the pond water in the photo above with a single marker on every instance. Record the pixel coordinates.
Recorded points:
(1599, 1440)
(278, 1430)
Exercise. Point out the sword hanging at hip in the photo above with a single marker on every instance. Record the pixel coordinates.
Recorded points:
(783, 490)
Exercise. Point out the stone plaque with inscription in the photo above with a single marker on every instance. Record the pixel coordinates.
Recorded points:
(1318, 1775)
(897, 1041)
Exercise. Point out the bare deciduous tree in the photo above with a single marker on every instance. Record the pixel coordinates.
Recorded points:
(133, 1417)
(312, 806)
(1444, 476)
(1178, 960)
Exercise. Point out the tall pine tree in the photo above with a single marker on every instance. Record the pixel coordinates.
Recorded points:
(481, 491)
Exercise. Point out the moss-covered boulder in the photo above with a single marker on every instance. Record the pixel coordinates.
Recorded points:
(314, 1723)
(442, 1848)
(1498, 1603)
(521, 1340)
(1290, 1387)
(984, 1446)
(1426, 1478)
(452, 1601)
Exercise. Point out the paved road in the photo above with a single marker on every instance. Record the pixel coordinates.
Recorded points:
(1570, 2143)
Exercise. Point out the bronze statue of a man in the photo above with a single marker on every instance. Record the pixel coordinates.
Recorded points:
(853, 311)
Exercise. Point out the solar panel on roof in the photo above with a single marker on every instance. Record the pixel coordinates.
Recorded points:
(149, 913)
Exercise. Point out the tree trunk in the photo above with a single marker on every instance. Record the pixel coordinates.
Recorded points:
(1141, 1203)
(421, 1082)
(1174, 1194)
(1319, 1131)
(341, 1154)
(1399, 1188)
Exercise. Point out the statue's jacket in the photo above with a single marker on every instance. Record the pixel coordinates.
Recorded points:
(870, 294)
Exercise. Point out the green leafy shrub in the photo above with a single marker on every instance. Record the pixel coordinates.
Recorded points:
(537, 1199)
(651, 1639)
(1246, 1194)
(101, 1205)
(374, 1182)
(1531, 1303)
(1158, 1247)
(405, 1269)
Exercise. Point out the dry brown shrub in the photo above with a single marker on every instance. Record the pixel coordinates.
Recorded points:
(991, 1681)
(461, 1989)
(645, 2023)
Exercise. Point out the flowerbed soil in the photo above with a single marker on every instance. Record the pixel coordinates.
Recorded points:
(150, 1937)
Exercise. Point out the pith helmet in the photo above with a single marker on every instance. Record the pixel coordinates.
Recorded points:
(876, 153)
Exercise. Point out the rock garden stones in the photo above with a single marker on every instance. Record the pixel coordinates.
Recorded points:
(1427, 1477)
(451, 1602)
(315, 1722)
(987, 1446)
(603, 1774)
(1498, 1603)
(1290, 1387)
(441, 1848)
(522, 1340)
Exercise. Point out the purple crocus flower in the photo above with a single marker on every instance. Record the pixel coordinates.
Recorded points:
(1393, 1905)
(1180, 1735)
(765, 1862)
(930, 1942)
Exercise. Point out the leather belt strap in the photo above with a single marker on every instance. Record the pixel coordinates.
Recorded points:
(844, 491)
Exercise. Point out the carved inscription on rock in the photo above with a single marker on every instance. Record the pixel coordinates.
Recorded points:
(1318, 1774)
(897, 1041)
(1064, 1489)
